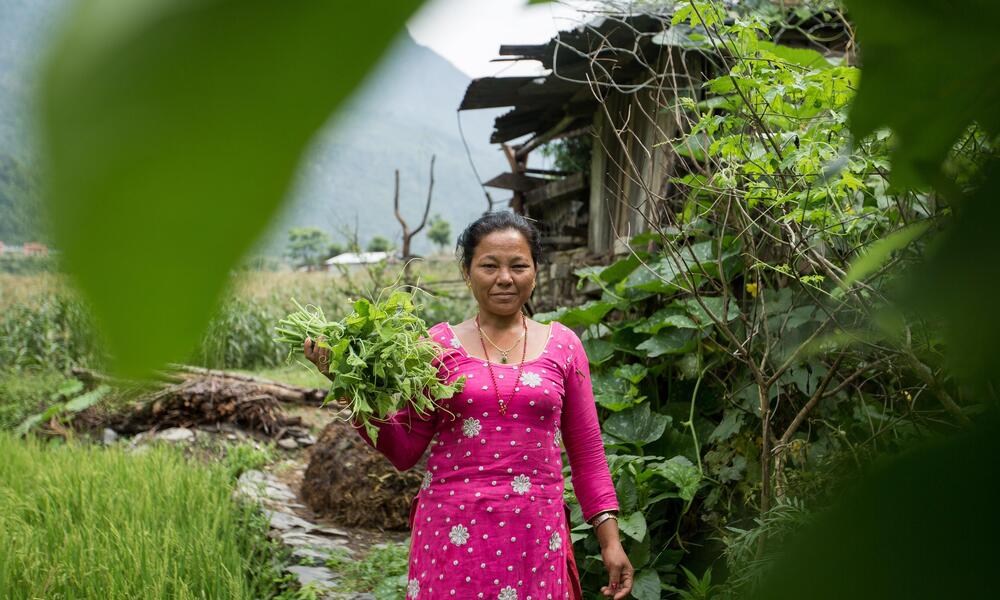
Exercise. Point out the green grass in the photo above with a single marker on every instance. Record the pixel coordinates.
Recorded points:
(382, 571)
(79, 522)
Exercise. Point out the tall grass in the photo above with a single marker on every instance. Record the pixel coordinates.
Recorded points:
(44, 324)
(81, 523)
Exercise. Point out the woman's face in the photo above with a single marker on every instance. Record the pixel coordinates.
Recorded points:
(502, 273)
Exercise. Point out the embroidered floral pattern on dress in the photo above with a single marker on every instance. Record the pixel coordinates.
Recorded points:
(459, 535)
(555, 542)
(471, 427)
(455, 343)
(508, 593)
(491, 498)
(531, 379)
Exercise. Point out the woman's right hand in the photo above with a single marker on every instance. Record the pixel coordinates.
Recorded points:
(318, 356)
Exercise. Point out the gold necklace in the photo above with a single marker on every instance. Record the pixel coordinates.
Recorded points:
(503, 353)
(496, 389)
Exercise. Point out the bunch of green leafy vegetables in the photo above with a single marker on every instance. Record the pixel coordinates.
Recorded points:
(381, 357)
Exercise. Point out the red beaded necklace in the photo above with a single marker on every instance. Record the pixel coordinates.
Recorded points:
(503, 404)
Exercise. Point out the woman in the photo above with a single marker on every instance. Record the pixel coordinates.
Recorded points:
(489, 519)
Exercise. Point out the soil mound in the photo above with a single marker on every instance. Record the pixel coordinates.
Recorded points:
(351, 482)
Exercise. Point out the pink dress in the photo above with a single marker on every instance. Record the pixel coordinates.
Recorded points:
(489, 519)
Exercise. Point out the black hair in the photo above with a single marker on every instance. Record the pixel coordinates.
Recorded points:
(492, 222)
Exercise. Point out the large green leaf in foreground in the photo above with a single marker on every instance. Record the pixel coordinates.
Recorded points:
(172, 131)
(929, 70)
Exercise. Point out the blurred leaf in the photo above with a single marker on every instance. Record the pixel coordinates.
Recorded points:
(919, 527)
(958, 283)
(880, 252)
(928, 75)
(172, 131)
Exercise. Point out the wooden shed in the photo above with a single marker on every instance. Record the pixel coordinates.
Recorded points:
(616, 80)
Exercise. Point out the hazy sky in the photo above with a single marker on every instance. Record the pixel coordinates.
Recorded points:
(469, 32)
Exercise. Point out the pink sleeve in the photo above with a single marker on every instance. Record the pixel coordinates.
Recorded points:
(403, 437)
(582, 436)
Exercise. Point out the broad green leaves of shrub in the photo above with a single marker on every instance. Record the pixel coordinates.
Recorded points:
(171, 132)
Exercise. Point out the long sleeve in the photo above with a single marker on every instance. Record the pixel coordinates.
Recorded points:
(581, 434)
(403, 437)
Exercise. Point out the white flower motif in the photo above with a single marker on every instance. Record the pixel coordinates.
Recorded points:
(521, 484)
(459, 535)
(508, 593)
(531, 379)
(471, 427)
(555, 542)
(558, 437)
(455, 343)
(412, 588)
(427, 480)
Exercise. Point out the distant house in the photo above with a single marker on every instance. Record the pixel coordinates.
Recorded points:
(26, 249)
(355, 260)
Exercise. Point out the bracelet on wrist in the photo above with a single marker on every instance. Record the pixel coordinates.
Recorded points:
(601, 518)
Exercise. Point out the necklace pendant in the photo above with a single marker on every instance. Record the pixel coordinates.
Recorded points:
(503, 409)
(503, 358)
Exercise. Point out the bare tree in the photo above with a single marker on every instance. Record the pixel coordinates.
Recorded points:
(407, 233)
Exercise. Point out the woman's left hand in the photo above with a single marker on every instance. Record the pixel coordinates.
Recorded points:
(620, 571)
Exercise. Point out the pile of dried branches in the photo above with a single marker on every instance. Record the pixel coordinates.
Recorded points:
(191, 396)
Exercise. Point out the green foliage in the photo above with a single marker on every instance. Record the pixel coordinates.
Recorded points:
(240, 335)
(571, 155)
(53, 332)
(26, 392)
(439, 231)
(379, 244)
(382, 570)
(767, 290)
(153, 118)
(307, 246)
(246, 457)
(20, 215)
(381, 357)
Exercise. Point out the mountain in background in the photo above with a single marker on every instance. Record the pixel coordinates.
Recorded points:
(403, 114)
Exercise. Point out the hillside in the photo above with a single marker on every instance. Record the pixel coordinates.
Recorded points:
(402, 115)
